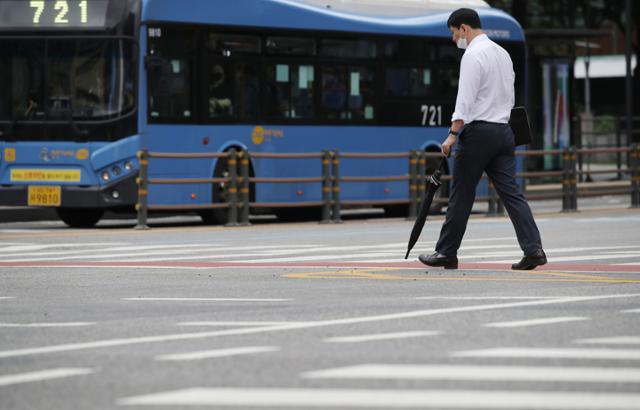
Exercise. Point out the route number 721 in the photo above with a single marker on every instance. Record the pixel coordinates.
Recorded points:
(62, 8)
(431, 115)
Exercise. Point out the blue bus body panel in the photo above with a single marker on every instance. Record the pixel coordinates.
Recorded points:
(286, 139)
(89, 158)
(291, 15)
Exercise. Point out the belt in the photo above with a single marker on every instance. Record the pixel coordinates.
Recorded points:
(478, 122)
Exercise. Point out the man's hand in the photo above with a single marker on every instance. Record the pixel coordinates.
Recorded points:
(447, 144)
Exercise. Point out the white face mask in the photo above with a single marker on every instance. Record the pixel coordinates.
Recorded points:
(462, 43)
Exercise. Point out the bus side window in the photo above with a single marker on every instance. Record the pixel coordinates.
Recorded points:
(171, 75)
(361, 93)
(334, 92)
(220, 86)
(247, 91)
(289, 91)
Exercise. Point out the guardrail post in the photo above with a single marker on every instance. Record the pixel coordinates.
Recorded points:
(335, 171)
(569, 182)
(326, 187)
(573, 182)
(565, 180)
(413, 185)
(244, 189)
(634, 163)
(232, 191)
(143, 189)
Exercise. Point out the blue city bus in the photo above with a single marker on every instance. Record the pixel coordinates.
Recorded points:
(87, 84)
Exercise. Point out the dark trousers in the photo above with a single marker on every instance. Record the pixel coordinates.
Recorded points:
(486, 147)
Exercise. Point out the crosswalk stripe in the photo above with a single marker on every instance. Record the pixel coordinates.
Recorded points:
(365, 398)
(536, 322)
(104, 253)
(50, 324)
(141, 299)
(480, 373)
(618, 340)
(210, 354)
(29, 377)
(552, 353)
(382, 253)
(380, 336)
(238, 324)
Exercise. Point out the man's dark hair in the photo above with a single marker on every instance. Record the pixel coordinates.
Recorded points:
(464, 16)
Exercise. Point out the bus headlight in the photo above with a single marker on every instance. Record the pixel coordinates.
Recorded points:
(128, 165)
(116, 171)
(106, 176)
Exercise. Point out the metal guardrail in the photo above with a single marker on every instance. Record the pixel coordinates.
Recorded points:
(239, 181)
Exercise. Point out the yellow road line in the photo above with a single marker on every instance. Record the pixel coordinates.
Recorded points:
(371, 274)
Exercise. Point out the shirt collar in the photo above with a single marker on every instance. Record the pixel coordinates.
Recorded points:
(479, 39)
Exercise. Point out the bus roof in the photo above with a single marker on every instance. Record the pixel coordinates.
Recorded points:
(409, 17)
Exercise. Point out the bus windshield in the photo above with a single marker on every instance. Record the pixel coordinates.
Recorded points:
(66, 79)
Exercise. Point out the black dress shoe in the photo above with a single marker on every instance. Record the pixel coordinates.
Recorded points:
(531, 261)
(438, 259)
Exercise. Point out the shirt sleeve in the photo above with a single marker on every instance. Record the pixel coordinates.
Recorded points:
(468, 86)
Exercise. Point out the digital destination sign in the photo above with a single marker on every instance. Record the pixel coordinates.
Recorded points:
(52, 14)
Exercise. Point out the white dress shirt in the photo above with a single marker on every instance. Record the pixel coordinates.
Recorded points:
(485, 90)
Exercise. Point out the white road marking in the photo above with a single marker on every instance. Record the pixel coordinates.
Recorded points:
(6, 297)
(51, 324)
(355, 256)
(198, 249)
(307, 325)
(618, 340)
(228, 323)
(208, 354)
(39, 246)
(380, 336)
(8, 380)
(552, 353)
(554, 259)
(480, 373)
(489, 297)
(361, 398)
(537, 322)
(631, 311)
(206, 300)
(120, 265)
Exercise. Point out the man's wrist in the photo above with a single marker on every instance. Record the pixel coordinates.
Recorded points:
(454, 133)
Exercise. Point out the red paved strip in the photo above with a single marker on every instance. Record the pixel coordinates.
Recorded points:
(556, 267)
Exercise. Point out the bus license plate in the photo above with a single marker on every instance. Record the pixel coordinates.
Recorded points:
(44, 195)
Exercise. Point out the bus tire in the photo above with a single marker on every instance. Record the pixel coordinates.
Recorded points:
(218, 216)
(80, 217)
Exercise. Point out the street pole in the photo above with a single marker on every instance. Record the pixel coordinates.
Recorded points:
(628, 79)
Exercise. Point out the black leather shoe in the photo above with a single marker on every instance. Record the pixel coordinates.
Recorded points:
(531, 261)
(438, 259)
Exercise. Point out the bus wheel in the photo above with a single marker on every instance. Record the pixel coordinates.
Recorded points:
(80, 217)
(218, 216)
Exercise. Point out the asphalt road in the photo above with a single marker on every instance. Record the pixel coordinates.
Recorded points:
(303, 315)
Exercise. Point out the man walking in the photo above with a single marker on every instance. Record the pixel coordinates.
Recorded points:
(480, 122)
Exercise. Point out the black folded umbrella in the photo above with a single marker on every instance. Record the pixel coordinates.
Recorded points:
(434, 184)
